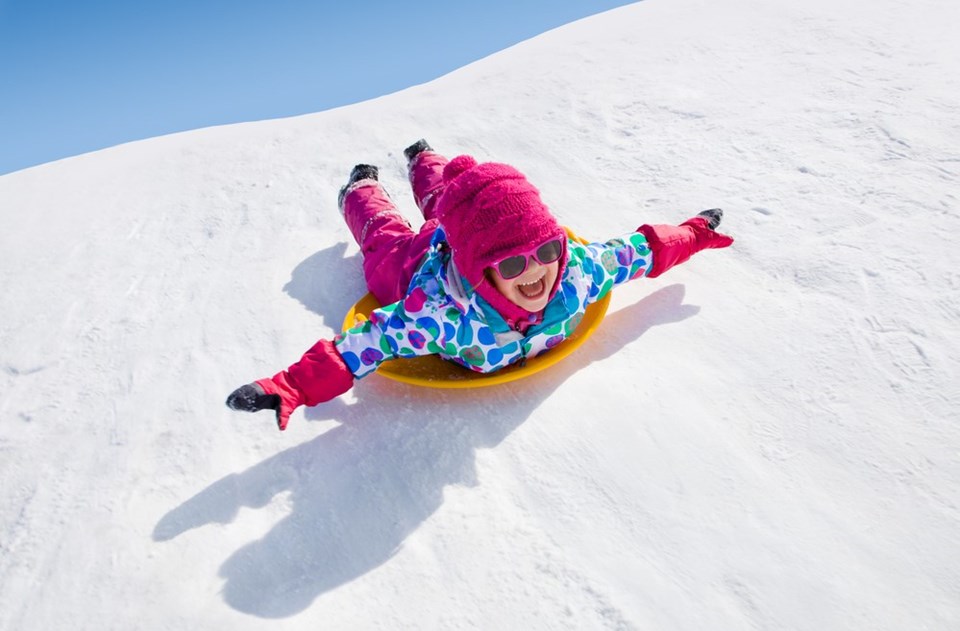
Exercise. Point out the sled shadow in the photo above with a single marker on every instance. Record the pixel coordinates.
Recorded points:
(358, 491)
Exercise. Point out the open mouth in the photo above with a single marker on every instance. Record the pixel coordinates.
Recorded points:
(534, 289)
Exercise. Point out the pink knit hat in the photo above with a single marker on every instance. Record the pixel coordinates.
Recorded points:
(490, 211)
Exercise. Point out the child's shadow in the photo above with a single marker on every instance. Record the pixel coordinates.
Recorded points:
(310, 283)
(356, 492)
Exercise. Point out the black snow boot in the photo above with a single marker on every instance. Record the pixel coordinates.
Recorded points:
(413, 150)
(359, 172)
(713, 217)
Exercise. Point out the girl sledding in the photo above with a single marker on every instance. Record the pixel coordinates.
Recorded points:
(489, 280)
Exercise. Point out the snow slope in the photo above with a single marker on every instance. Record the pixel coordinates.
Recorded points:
(766, 437)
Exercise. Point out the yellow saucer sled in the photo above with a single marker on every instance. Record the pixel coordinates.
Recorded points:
(433, 372)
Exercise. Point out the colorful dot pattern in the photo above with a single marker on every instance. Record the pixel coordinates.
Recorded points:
(445, 318)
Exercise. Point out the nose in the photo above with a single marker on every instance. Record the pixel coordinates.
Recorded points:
(533, 265)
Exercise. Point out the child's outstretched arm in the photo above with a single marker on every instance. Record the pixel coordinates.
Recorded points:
(407, 328)
(649, 251)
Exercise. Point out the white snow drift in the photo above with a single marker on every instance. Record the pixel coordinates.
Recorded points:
(766, 437)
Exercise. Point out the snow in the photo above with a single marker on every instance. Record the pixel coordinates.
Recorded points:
(766, 437)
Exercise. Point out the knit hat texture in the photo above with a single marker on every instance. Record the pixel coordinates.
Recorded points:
(490, 211)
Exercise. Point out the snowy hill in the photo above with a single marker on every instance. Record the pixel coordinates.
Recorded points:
(766, 437)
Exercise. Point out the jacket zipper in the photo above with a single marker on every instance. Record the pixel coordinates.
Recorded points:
(523, 349)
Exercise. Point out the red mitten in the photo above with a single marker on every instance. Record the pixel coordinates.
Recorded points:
(285, 396)
(673, 245)
(319, 376)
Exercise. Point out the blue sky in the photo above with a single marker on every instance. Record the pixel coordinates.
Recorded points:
(81, 76)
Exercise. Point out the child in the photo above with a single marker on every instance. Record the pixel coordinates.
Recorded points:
(489, 279)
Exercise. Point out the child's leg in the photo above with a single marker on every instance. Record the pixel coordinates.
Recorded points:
(426, 180)
(391, 250)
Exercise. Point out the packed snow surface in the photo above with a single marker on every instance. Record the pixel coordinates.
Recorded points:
(764, 438)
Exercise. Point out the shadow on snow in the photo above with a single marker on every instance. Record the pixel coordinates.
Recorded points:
(359, 490)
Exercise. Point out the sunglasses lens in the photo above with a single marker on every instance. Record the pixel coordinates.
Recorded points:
(512, 267)
(549, 252)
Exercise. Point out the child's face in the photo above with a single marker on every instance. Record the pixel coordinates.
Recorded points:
(531, 289)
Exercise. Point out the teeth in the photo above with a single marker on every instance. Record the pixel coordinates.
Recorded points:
(533, 282)
(531, 289)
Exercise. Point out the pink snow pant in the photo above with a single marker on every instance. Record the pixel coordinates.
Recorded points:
(391, 250)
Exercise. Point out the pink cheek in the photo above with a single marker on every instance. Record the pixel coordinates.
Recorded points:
(506, 286)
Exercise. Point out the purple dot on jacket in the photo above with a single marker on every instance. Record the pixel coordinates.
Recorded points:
(370, 356)
(417, 340)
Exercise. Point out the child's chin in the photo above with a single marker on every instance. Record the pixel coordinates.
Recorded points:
(530, 304)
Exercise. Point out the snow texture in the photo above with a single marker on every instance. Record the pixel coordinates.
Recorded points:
(765, 438)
